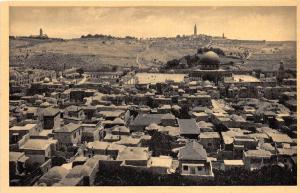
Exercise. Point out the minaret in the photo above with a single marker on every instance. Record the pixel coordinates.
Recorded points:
(195, 30)
(41, 32)
(223, 36)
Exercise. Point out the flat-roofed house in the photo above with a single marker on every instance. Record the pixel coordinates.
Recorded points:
(120, 130)
(39, 150)
(243, 143)
(68, 135)
(200, 116)
(211, 141)
(51, 118)
(129, 141)
(168, 120)
(97, 148)
(256, 159)
(103, 148)
(32, 113)
(162, 164)
(92, 132)
(74, 111)
(17, 162)
(206, 126)
(111, 138)
(77, 96)
(134, 156)
(285, 156)
(279, 139)
(164, 109)
(114, 149)
(232, 164)
(17, 132)
(89, 112)
(115, 122)
(111, 115)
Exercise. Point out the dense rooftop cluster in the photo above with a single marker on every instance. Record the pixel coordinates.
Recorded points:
(196, 123)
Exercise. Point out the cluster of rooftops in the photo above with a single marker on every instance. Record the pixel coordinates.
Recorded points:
(191, 129)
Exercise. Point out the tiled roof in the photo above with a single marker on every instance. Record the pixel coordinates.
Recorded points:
(146, 119)
(192, 151)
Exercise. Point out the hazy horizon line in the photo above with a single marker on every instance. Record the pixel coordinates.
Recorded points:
(149, 37)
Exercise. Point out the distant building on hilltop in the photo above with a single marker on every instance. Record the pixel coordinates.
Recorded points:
(195, 30)
(41, 32)
(40, 36)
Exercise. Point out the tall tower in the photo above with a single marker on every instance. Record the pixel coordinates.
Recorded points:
(195, 30)
(41, 32)
(281, 72)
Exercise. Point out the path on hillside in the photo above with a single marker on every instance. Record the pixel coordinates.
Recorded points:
(140, 65)
(83, 80)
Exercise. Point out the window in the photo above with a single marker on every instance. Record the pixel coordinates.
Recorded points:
(74, 134)
(209, 144)
(255, 161)
(185, 168)
(199, 168)
(193, 170)
(266, 161)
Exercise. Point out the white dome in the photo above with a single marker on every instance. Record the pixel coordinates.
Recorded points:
(46, 80)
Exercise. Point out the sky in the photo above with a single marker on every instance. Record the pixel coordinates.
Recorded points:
(252, 23)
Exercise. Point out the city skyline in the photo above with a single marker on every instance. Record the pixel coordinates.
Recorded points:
(275, 23)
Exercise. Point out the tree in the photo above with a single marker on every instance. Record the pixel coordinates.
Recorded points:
(80, 71)
(114, 68)
(161, 144)
(32, 166)
(121, 176)
(221, 128)
(184, 112)
(58, 161)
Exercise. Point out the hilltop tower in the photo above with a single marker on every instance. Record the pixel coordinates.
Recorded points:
(41, 32)
(195, 30)
(281, 72)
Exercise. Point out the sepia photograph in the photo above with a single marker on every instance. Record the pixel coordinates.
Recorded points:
(151, 95)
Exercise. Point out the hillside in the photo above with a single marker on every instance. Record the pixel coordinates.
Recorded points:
(94, 53)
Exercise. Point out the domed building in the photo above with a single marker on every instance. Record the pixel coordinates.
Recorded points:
(78, 171)
(208, 68)
(53, 176)
(13, 74)
(209, 61)
(16, 78)
(45, 105)
(46, 80)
